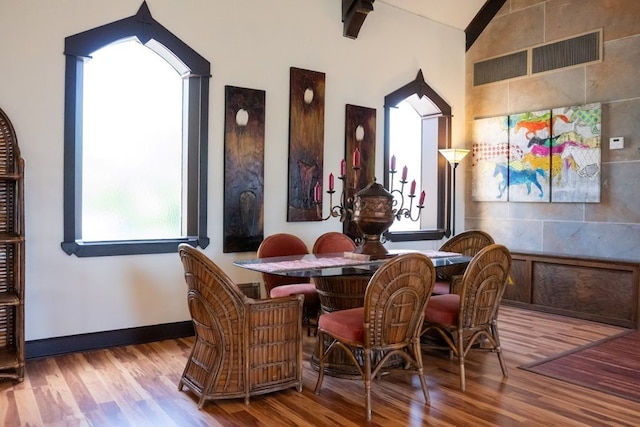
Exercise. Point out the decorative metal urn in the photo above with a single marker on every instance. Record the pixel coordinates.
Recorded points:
(373, 214)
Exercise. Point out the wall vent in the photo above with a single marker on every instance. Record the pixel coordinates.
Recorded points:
(565, 53)
(501, 68)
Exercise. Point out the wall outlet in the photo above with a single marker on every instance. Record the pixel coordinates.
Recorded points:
(616, 143)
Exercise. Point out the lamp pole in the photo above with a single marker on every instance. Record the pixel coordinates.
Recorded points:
(453, 156)
(453, 198)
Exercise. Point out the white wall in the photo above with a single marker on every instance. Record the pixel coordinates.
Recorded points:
(250, 43)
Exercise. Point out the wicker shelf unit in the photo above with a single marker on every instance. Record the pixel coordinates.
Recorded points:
(11, 254)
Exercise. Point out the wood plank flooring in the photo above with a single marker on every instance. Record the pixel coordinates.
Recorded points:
(137, 386)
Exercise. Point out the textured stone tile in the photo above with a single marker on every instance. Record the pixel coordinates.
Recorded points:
(620, 196)
(509, 33)
(615, 78)
(548, 90)
(487, 101)
(614, 241)
(566, 18)
(547, 211)
(621, 119)
(525, 236)
(521, 4)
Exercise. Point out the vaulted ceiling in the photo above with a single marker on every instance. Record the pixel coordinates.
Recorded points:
(468, 15)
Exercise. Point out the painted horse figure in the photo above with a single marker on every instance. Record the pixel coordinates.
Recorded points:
(512, 176)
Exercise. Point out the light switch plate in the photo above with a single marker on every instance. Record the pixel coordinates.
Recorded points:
(616, 143)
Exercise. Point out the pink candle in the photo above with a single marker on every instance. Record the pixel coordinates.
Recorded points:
(356, 158)
(393, 163)
(404, 173)
(330, 182)
(343, 167)
(422, 196)
(413, 188)
(317, 193)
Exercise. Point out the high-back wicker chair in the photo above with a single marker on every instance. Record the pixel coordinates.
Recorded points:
(461, 319)
(388, 326)
(466, 243)
(243, 347)
(333, 241)
(285, 244)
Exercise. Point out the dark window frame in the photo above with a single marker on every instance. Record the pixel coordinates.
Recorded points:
(78, 49)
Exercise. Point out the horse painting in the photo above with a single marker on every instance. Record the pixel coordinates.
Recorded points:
(553, 164)
(537, 124)
(586, 160)
(511, 177)
(501, 151)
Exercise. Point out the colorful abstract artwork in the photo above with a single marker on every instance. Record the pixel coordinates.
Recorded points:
(490, 149)
(243, 169)
(577, 143)
(541, 156)
(306, 143)
(360, 135)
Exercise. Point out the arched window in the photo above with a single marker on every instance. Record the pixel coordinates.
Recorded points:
(136, 130)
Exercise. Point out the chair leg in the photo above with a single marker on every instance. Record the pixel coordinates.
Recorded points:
(321, 360)
(418, 356)
(496, 337)
(460, 351)
(367, 383)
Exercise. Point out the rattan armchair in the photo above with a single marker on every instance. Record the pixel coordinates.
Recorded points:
(387, 327)
(243, 347)
(462, 320)
(466, 243)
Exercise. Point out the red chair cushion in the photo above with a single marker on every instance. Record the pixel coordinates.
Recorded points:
(443, 309)
(306, 289)
(344, 324)
(441, 288)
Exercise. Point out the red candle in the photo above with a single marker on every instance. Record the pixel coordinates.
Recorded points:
(356, 158)
(330, 182)
(404, 173)
(393, 163)
(413, 188)
(317, 193)
(343, 167)
(422, 196)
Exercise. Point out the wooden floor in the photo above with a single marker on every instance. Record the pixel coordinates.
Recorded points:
(137, 386)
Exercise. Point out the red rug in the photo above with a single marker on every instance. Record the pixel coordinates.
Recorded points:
(611, 365)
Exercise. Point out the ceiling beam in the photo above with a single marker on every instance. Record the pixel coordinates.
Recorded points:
(481, 20)
(354, 13)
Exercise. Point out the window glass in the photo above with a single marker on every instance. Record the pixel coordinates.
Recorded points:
(132, 151)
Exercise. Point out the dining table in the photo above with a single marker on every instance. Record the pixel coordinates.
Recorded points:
(341, 279)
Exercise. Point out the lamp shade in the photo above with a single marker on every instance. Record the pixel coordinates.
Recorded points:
(454, 155)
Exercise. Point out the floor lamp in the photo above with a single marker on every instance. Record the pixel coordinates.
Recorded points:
(453, 156)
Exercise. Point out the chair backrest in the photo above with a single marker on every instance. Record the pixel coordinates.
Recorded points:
(466, 243)
(333, 241)
(281, 244)
(215, 303)
(395, 300)
(483, 285)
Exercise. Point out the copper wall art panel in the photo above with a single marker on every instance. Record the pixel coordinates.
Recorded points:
(243, 169)
(306, 143)
(360, 138)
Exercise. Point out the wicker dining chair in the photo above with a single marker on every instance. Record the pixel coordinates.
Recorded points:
(467, 243)
(333, 241)
(284, 244)
(388, 326)
(464, 319)
(243, 347)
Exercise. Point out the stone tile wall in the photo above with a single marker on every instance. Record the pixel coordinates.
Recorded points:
(611, 228)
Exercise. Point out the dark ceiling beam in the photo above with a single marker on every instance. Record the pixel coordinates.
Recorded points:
(354, 13)
(481, 20)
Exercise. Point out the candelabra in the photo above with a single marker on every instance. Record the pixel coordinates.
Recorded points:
(372, 209)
